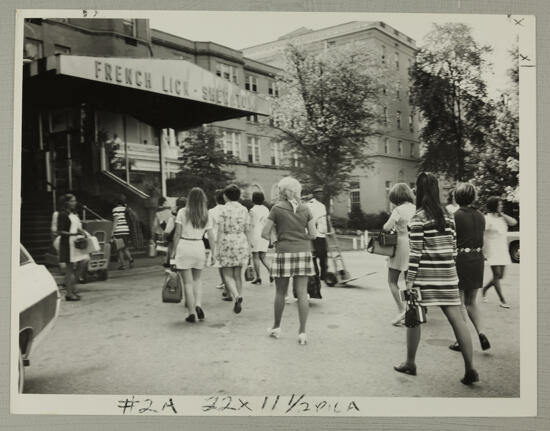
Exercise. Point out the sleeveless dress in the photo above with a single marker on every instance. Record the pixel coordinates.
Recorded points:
(258, 216)
(399, 220)
(233, 223)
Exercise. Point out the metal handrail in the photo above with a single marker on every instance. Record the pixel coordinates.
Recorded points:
(85, 208)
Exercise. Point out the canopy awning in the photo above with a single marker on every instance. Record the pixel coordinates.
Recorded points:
(164, 93)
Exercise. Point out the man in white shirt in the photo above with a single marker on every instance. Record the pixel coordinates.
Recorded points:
(319, 213)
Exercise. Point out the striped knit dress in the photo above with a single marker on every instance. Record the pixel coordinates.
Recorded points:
(432, 260)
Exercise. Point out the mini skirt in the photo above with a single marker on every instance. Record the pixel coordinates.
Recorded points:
(190, 254)
(292, 264)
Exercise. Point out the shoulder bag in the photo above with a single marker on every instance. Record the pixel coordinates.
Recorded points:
(375, 246)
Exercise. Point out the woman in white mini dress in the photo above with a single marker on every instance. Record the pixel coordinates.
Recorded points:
(189, 254)
(258, 216)
(495, 245)
(402, 197)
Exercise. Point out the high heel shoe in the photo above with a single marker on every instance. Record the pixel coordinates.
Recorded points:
(200, 313)
(274, 332)
(485, 345)
(190, 318)
(238, 305)
(406, 369)
(399, 319)
(257, 281)
(302, 339)
(455, 347)
(470, 377)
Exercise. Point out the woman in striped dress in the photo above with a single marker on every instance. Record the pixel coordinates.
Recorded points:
(432, 269)
(121, 230)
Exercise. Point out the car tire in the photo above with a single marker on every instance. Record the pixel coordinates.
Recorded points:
(21, 378)
(514, 251)
(331, 279)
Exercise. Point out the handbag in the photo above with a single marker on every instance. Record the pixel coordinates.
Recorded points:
(249, 273)
(375, 247)
(415, 314)
(388, 238)
(314, 287)
(92, 245)
(118, 244)
(171, 289)
(81, 243)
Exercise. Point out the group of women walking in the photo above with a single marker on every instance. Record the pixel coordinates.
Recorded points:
(442, 252)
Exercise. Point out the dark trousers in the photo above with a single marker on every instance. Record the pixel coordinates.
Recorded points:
(320, 252)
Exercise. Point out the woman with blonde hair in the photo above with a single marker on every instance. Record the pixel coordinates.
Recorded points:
(291, 219)
(188, 251)
(401, 196)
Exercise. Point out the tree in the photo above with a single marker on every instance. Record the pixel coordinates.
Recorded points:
(326, 112)
(203, 164)
(451, 94)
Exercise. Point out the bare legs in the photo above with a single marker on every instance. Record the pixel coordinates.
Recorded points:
(281, 284)
(70, 280)
(258, 258)
(393, 278)
(498, 274)
(469, 301)
(186, 276)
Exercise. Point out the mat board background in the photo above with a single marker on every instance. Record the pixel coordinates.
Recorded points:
(7, 32)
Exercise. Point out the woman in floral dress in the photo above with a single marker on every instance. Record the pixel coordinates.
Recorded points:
(233, 250)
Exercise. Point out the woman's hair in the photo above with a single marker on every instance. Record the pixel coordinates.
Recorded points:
(232, 192)
(465, 194)
(121, 200)
(219, 197)
(450, 196)
(289, 188)
(401, 193)
(258, 198)
(64, 201)
(427, 198)
(196, 210)
(161, 201)
(492, 204)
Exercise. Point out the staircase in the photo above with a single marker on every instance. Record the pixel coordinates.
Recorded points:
(35, 234)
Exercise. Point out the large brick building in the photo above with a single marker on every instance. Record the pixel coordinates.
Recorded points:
(395, 152)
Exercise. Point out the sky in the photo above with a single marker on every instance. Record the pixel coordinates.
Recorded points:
(238, 29)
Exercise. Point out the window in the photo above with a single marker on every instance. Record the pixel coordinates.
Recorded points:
(398, 90)
(385, 116)
(33, 49)
(251, 83)
(400, 147)
(129, 27)
(398, 119)
(227, 72)
(389, 185)
(253, 149)
(354, 194)
(383, 54)
(331, 43)
(412, 149)
(396, 60)
(275, 153)
(411, 123)
(252, 118)
(232, 143)
(410, 63)
(295, 162)
(273, 89)
(386, 146)
(60, 49)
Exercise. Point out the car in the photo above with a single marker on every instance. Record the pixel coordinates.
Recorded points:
(37, 298)
(513, 245)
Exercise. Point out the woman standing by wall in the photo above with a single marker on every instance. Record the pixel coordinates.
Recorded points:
(233, 249)
(432, 270)
(496, 245)
(258, 216)
(402, 197)
(69, 227)
(291, 220)
(189, 253)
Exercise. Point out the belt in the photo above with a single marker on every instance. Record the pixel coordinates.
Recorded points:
(468, 250)
(191, 239)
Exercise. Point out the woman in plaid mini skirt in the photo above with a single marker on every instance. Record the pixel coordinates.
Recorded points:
(294, 228)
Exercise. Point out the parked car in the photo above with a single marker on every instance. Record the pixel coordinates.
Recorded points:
(37, 298)
(513, 245)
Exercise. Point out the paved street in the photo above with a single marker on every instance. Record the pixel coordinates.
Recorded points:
(121, 339)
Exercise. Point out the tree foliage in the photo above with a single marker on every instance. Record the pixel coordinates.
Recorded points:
(451, 94)
(326, 113)
(203, 164)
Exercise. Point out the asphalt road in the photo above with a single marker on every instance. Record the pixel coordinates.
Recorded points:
(121, 339)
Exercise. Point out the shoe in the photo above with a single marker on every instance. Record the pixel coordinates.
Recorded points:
(302, 338)
(271, 279)
(200, 313)
(455, 347)
(72, 298)
(220, 286)
(131, 264)
(470, 377)
(504, 305)
(290, 300)
(485, 299)
(257, 281)
(406, 369)
(121, 267)
(485, 345)
(274, 332)
(399, 319)
(190, 318)
(238, 305)
(227, 298)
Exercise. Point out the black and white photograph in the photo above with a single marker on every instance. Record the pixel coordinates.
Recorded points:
(273, 213)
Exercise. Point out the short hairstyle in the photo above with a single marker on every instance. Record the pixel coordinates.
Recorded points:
(492, 204)
(219, 197)
(232, 192)
(161, 201)
(465, 194)
(258, 198)
(289, 188)
(181, 202)
(121, 199)
(401, 193)
(64, 201)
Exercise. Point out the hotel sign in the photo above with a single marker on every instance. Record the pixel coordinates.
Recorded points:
(177, 78)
